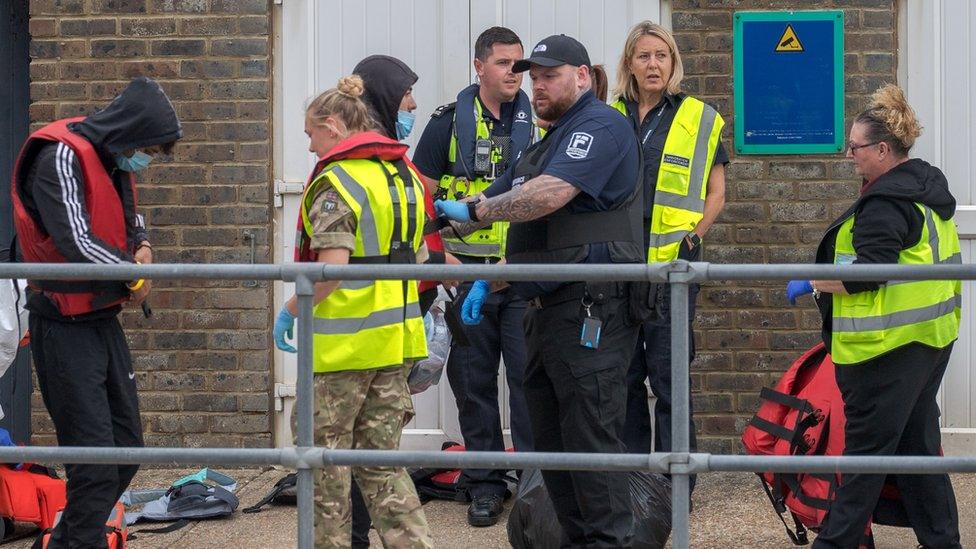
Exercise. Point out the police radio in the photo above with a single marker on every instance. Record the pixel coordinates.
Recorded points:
(482, 156)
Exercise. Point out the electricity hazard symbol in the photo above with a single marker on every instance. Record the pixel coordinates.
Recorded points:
(789, 42)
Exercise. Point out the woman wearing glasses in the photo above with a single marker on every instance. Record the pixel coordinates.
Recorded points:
(890, 340)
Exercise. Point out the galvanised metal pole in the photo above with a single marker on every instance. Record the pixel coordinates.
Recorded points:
(680, 411)
(305, 289)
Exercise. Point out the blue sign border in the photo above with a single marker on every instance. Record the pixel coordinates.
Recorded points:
(740, 62)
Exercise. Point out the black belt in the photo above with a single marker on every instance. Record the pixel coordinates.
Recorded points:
(576, 291)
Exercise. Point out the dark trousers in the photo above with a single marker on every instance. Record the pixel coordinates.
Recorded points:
(84, 371)
(577, 400)
(652, 361)
(891, 409)
(473, 373)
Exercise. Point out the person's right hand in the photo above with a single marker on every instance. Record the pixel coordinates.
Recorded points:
(453, 210)
(471, 308)
(797, 288)
(284, 327)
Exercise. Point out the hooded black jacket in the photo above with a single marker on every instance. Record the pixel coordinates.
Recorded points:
(887, 222)
(53, 191)
(387, 80)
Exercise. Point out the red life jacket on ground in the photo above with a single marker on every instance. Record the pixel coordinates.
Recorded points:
(116, 530)
(367, 145)
(804, 415)
(104, 208)
(31, 494)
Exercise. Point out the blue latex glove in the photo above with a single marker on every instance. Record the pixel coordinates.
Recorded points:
(453, 210)
(471, 308)
(797, 288)
(284, 327)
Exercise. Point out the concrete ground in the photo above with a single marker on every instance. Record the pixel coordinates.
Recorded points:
(731, 510)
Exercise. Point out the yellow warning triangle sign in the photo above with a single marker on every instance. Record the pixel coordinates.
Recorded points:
(789, 41)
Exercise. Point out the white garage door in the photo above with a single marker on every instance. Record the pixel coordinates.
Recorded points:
(937, 49)
(320, 40)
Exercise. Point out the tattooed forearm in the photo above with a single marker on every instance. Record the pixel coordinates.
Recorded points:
(464, 229)
(536, 198)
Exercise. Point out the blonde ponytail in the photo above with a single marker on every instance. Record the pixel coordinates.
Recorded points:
(343, 102)
(890, 119)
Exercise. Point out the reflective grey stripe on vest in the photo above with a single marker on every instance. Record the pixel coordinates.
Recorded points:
(953, 259)
(376, 319)
(356, 284)
(693, 201)
(454, 246)
(895, 320)
(660, 240)
(367, 223)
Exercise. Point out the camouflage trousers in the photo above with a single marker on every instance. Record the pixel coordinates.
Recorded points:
(366, 410)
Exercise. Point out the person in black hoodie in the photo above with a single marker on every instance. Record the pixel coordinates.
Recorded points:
(389, 94)
(75, 202)
(890, 340)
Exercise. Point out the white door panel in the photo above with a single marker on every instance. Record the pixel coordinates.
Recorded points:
(321, 40)
(936, 52)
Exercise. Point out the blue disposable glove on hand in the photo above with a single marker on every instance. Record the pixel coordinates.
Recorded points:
(284, 327)
(797, 288)
(471, 309)
(453, 210)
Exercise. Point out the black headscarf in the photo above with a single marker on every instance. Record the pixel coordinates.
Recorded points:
(387, 79)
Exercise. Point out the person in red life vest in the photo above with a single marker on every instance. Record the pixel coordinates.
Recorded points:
(74, 201)
(389, 99)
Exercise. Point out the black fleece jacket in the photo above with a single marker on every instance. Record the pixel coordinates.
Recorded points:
(54, 186)
(887, 222)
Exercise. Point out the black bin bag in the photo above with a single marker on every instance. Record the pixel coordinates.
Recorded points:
(532, 523)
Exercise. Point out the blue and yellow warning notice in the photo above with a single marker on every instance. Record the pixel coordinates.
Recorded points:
(789, 82)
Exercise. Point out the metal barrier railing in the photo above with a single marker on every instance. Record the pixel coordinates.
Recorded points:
(679, 463)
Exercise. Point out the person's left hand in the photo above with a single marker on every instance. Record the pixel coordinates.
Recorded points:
(453, 210)
(471, 308)
(797, 288)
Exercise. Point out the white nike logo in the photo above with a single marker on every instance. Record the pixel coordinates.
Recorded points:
(132, 375)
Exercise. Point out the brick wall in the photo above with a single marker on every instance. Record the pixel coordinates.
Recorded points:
(777, 209)
(203, 362)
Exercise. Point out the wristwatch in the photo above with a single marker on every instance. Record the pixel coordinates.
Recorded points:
(473, 209)
(694, 239)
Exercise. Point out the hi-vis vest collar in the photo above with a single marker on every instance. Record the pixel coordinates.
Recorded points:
(868, 324)
(682, 177)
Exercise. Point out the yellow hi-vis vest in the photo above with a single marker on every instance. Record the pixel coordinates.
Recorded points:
(371, 324)
(487, 242)
(868, 324)
(682, 177)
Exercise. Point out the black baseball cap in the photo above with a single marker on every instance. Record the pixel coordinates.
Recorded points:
(556, 50)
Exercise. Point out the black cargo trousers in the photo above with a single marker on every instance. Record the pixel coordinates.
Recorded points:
(577, 400)
(85, 374)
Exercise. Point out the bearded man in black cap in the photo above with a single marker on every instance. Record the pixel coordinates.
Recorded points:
(573, 197)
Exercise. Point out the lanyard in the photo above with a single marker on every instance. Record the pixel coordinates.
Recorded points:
(653, 124)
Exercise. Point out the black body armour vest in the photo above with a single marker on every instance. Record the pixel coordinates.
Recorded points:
(564, 236)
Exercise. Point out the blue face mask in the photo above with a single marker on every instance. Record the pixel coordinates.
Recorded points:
(404, 124)
(135, 163)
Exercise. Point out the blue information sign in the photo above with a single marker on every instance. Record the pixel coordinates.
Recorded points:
(789, 82)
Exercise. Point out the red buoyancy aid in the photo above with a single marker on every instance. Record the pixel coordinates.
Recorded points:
(104, 208)
(368, 145)
(804, 415)
(31, 494)
(116, 530)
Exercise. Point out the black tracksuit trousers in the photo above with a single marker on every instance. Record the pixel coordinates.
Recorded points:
(577, 401)
(891, 409)
(86, 379)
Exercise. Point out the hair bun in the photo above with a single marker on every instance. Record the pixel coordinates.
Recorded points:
(890, 105)
(351, 86)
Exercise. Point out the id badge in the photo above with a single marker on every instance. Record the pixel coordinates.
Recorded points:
(590, 335)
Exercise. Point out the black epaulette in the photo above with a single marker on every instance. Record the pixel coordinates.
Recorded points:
(443, 109)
